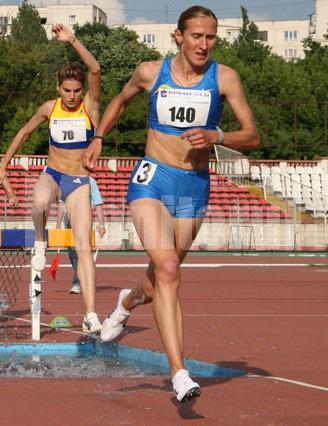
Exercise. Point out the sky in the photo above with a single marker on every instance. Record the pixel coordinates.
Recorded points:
(132, 11)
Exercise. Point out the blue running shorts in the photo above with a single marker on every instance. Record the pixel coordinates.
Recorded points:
(184, 193)
(67, 183)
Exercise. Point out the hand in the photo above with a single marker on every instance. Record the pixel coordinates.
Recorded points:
(91, 154)
(63, 33)
(200, 138)
(12, 199)
(102, 230)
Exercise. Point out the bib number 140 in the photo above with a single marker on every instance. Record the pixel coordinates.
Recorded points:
(183, 114)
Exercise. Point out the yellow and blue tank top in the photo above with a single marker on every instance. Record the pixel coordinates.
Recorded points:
(174, 109)
(70, 129)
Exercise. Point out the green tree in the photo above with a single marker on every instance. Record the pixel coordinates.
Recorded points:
(249, 48)
(26, 28)
(37, 142)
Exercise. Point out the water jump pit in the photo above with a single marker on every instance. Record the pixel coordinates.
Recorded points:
(95, 359)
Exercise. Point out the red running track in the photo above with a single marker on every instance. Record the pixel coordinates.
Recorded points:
(268, 320)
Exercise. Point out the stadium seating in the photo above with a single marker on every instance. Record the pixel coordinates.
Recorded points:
(228, 201)
(305, 186)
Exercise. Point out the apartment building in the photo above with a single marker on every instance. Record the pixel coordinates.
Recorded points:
(319, 22)
(284, 37)
(68, 14)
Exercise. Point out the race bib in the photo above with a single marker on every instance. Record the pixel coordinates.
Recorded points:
(183, 107)
(145, 173)
(68, 130)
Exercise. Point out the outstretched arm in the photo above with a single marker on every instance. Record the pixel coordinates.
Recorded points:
(92, 98)
(114, 110)
(23, 134)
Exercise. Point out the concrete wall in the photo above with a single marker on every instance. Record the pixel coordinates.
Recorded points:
(320, 24)
(222, 236)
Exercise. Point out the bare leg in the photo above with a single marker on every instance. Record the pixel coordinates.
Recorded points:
(166, 240)
(79, 215)
(44, 193)
(185, 232)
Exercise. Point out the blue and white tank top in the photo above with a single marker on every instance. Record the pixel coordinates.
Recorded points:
(174, 109)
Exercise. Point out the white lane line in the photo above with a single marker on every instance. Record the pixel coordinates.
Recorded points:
(195, 265)
(198, 316)
(47, 325)
(205, 265)
(257, 315)
(293, 382)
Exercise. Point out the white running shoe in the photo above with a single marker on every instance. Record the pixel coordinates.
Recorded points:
(75, 289)
(184, 387)
(114, 325)
(38, 261)
(91, 324)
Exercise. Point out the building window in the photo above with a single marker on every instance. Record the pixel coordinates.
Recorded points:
(290, 35)
(262, 36)
(232, 35)
(290, 53)
(72, 19)
(3, 24)
(149, 38)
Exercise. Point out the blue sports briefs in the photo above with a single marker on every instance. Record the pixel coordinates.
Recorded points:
(67, 183)
(184, 193)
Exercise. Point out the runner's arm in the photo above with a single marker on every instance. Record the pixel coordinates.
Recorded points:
(40, 117)
(92, 97)
(113, 112)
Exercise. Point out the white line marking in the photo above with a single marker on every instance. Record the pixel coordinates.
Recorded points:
(205, 265)
(197, 265)
(258, 316)
(201, 316)
(293, 382)
(47, 325)
(208, 265)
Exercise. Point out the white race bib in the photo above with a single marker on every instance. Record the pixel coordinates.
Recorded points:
(68, 130)
(183, 107)
(145, 173)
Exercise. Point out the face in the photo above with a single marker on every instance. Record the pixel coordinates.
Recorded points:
(198, 39)
(71, 92)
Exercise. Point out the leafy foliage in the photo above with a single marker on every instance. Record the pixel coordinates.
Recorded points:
(289, 99)
(26, 28)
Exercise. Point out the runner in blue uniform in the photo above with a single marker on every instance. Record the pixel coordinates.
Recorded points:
(169, 188)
